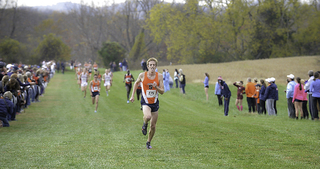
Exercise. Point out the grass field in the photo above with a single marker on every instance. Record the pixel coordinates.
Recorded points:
(62, 131)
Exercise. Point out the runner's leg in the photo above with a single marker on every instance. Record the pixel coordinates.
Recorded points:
(154, 119)
(97, 100)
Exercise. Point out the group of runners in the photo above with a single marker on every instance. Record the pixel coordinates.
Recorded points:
(148, 84)
(84, 74)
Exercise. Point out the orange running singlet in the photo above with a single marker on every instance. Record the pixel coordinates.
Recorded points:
(95, 66)
(149, 93)
(128, 79)
(95, 86)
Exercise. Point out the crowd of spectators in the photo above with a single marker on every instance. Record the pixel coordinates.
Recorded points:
(262, 97)
(20, 86)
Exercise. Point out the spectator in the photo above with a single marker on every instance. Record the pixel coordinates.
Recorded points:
(144, 65)
(164, 80)
(71, 64)
(114, 65)
(217, 91)
(13, 86)
(307, 89)
(124, 65)
(261, 95)
(250, 89)
(176, 77)
(256, 96)
(270, 96)
(111, 66)
(240, 92)
(225, 92)
(6, 108)
(289, 95)
(62, 67)
(305, 102)
(206, 85)
(167, 80)
(273, 80)
(170, 82)
(315, 89)
(298, 96)
(120, 66)
(182, 79)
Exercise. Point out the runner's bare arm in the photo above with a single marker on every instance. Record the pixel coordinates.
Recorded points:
(90, 88)
(160, 88)
(135, 86)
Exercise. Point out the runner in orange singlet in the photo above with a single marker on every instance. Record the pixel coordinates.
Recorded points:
(95, 90)
(151, 84)
(128, 78)
(95, 66)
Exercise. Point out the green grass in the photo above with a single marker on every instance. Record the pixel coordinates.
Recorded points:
(62, 131)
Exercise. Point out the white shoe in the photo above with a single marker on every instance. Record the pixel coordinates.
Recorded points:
(128, 101)
(95, 111)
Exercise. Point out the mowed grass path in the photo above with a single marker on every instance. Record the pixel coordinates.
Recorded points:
(62, 131)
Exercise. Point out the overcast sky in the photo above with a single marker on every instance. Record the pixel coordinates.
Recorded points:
(53, 2)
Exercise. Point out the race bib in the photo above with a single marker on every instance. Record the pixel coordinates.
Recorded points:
(151, 93)
(128, 79)
(95, 88)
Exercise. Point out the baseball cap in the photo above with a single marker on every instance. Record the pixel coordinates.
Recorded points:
(272, 79)
(291, 76)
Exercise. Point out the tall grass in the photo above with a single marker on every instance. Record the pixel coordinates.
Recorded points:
(241, 70)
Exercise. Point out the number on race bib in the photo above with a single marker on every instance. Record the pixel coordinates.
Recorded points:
(128, 79)
(151, 93)
(95, 88)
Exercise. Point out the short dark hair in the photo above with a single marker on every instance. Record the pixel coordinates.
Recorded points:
(310, 73)
(316, 75)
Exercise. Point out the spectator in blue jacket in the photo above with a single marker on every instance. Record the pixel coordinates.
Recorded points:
(225, 92)
(315, 89)
(262, 102)
(307, 89)
(269, 96)
(164, 76)
(289, 95)
(217, 91)
(6, 107)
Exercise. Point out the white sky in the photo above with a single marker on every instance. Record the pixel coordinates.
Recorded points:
(53, 2)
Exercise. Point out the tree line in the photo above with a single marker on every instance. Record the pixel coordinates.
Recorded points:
(196, 31)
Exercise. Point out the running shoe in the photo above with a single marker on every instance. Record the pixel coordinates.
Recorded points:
(148, 145)
(144, 128)
(128, 101)
(95, 111)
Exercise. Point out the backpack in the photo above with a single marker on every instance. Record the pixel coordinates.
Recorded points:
(181, 78)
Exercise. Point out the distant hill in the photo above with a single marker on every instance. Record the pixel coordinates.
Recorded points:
(61, 7)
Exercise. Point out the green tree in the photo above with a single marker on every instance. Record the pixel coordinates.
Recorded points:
(111, 52)
(53, 48)
(139, 48)
(12, 51)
